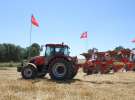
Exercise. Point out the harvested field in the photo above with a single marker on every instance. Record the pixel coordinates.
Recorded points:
(117, 86)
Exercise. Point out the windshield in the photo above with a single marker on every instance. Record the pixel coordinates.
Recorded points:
(50, 51)
(62, 50)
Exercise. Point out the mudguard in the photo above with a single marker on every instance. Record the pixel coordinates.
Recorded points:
(32, 65)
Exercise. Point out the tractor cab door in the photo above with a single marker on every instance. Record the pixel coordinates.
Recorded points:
(49, 51)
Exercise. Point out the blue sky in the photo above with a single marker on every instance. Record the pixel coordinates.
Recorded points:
(110, 23)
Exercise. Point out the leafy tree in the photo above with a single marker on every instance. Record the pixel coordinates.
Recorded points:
(119, 48)
(34, 50)
(11, 52)
(2, 52)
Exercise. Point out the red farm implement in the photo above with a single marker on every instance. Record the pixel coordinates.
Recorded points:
(104, 62)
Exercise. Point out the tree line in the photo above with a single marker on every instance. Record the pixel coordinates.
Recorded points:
(116, 48)
(11, 52)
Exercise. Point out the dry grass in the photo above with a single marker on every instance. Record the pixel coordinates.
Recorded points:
(9, 64)
(118, 86)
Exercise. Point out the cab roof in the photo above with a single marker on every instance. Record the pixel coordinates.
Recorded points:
(57, 45)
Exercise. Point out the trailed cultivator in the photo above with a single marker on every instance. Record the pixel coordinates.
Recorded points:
(104, 62)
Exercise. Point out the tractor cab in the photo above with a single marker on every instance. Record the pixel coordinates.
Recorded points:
(56, 49)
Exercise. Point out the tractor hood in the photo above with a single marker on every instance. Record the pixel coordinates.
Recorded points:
(38, 60)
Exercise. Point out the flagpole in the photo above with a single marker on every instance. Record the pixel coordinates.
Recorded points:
(87, 41)
(30, 40)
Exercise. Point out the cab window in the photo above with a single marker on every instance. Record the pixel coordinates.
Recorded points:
(49, 51)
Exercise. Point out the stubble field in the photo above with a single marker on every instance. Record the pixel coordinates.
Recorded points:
(117, 86)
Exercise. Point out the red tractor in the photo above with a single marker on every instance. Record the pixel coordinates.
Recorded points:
(56, 62)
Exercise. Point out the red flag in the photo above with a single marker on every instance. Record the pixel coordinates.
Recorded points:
(133, 41)
(84, 35)
(34, 21)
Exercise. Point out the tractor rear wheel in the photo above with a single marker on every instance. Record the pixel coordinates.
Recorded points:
(73, 71)
(29, 72)
(74, 74)
(59, 69)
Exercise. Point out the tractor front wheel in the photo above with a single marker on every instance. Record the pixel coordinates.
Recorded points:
(29, 72)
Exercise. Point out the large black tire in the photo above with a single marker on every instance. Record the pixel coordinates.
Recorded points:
(72, 71)
(29, 72)
(74, 74)
(59, 69)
